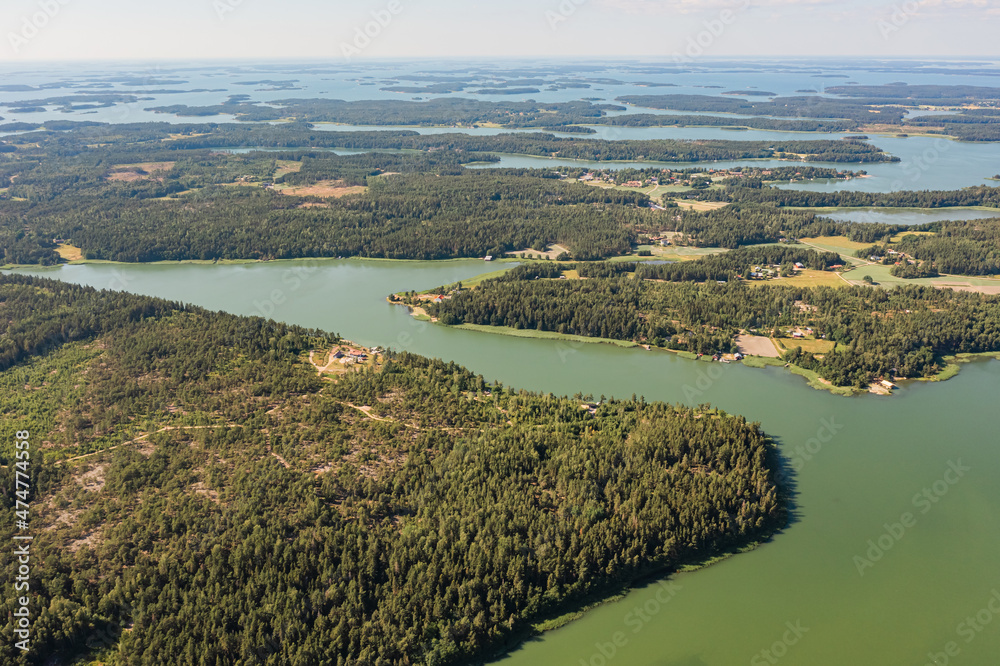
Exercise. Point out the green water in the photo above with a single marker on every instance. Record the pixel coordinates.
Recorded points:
(884, 451)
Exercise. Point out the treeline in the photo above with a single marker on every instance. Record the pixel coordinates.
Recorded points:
(275, 523)
(572, 148)
(860, 111)
(435, 112)
(413, 216)
(738, 225)
(718, 267)
(154, 191)
(769, 124)
(957, 248)
(539, 144)
(750, 192)
(733, 175)
(741, 262)
(903, 332)
(858, 107)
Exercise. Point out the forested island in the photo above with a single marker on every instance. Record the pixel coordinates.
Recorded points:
(969, 113)
(206, 488)
(846, 336)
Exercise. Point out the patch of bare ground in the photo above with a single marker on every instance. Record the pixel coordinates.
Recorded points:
(550, 253)
(88, 539)
(700, 206)
(878, 389)
(200, 488)
(64, 517)
(371, 464)
(757, 345)
(93, 479)
(979, 289)
(141, 171)
(328, 189)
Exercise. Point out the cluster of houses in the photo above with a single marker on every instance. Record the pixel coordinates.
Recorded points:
(668, 177)
(890, 253)
(348, 355)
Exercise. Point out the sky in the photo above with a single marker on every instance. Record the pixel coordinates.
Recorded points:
(135, 30)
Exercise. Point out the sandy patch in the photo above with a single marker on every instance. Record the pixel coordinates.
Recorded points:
(757, 345)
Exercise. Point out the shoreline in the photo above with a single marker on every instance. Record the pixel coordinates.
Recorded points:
(243, 262)
(951, 368)
(616, 592)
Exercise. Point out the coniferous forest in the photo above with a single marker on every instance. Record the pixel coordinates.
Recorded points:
(202, 495)
(903, 332)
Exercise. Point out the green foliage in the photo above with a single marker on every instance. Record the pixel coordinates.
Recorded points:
(265, 519)
(903, 332)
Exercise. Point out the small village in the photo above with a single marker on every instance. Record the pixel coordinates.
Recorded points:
(688, 177)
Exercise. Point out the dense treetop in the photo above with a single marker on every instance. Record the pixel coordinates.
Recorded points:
(260, 517)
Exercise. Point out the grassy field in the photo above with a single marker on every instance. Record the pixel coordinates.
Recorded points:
(70, 252)
(807, 278)
(671, 253)
(838, 244)
(652, 191)
(700, 206)
(473, 282)
(285, 167)
(810, 346)
(881, 274)
(899, 236)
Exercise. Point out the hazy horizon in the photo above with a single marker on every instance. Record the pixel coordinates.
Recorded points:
(303, 30)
